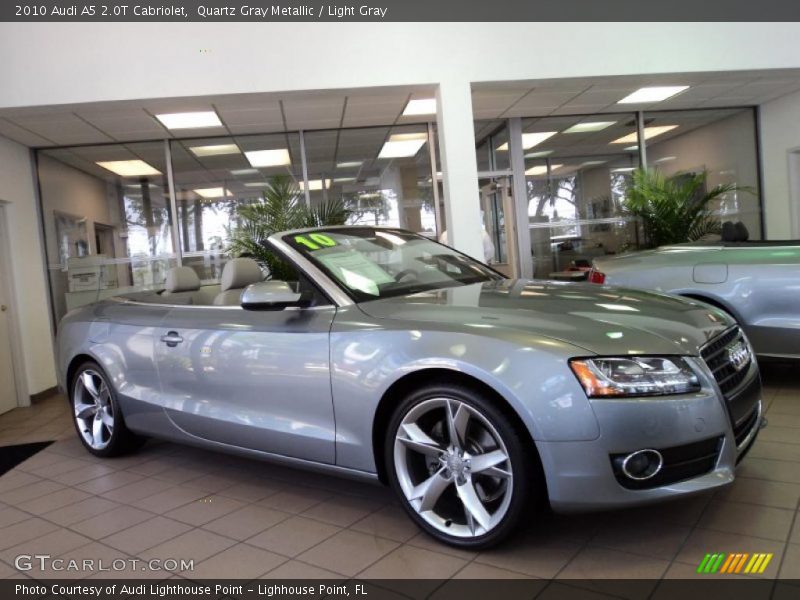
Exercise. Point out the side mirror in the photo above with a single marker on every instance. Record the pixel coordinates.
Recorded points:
(269, 295)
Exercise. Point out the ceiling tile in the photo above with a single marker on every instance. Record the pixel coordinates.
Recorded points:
(22, 136)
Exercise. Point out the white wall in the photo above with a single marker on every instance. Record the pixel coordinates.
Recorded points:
(780, 133)
(27, 262)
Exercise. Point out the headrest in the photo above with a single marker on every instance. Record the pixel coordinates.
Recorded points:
(181, 279)
(742, 235)
(239, 273)
(728, 231)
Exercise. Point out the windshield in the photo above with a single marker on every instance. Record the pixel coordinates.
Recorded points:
(372, 263)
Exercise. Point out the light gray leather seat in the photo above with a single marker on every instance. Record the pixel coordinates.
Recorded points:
(237, 275)
(181, 285)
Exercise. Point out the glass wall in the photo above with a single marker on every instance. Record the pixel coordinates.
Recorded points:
(578, 169)
(107, 220)
(112, 227)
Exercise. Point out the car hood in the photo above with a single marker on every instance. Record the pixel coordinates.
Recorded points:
(599, 319)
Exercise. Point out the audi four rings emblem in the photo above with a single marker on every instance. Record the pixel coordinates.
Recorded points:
(738, 355)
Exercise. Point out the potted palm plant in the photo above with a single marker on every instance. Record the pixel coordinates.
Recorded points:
(281, 208)
(674, 209)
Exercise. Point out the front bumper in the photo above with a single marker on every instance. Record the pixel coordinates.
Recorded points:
(580, 475)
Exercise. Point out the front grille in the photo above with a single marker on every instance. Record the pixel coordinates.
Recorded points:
(717, 357)
(680, 463)
(741, 431)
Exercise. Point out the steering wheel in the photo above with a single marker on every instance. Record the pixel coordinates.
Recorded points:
(406, 273)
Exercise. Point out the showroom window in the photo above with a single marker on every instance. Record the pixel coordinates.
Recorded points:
(578, 169)
(107, 220)
(112, 227)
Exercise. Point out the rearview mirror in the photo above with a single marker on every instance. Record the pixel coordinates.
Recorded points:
(269, 295)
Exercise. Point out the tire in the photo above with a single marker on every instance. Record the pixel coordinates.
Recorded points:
(437, 481)
(97, 416)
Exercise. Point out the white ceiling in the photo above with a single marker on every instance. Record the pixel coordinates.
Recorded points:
(134, 120)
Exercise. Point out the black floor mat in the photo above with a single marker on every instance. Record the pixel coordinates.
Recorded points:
(11, 456)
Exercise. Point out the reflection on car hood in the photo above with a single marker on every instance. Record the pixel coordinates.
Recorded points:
(602, 320)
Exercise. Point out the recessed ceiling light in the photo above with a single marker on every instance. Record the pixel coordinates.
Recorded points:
(269, 158)
(541, 169)
(623, 169)
(350, 164)
(344, 179)
(190, 120)
(315, 184)
(129, 168)
(215, 192)
(665, 159)
(256, 184)
(403, 145)
(653, 94)
(631, 148)
(215, 150)
(649, 132)
(420, 106)
(238, 172)
(589, 126)
(529, 140)
(592, 163)
(539, 154)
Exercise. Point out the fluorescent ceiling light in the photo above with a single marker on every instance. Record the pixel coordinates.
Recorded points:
(592, 163)
(403, 145)
(623, 169)
(541, 169)
(129, 168)
(529, 140)
(138, 186)
(237, 172)
(653, 94)
(344, 179)
(420, 106)
(269, 158)
(631, 148)
(349, 165)
(314, 184)
(539, 154)
(190, 120)
(649, 132)
(256, 184)
(215, 150)
(589, 126)
(665, 159)
(215, 192)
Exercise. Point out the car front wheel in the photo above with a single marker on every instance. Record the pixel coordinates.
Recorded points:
(461, 468)
(97, 416)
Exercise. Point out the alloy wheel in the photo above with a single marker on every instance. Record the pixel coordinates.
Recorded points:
(453, 467)
(94, 410)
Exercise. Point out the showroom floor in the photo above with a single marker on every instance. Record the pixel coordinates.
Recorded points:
(239, 518)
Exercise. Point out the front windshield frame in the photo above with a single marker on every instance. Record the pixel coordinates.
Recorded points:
(487, 273)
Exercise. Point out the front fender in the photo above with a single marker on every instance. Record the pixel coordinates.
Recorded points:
(534, 378)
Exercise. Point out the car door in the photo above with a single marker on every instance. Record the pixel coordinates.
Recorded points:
(252, 379)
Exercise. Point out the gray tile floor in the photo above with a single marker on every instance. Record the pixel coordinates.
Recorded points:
(238, 518)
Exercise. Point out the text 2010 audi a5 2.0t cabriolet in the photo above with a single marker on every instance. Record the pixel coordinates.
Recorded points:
(392, 357)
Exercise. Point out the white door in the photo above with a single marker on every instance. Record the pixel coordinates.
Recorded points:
(8, 392)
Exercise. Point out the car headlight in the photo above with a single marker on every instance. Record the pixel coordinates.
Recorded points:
(634, 376)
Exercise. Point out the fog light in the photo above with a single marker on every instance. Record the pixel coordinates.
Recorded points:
(642, 464)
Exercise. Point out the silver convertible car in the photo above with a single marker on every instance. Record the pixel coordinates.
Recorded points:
(757, 283)
(390, 357)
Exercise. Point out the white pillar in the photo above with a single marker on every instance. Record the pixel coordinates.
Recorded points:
(460, 167)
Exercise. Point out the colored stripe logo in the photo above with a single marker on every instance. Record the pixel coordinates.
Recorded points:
(741, 562)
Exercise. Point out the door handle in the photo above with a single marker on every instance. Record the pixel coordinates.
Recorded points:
(3, 308)
(172, 339)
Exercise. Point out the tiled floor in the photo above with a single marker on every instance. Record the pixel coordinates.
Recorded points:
(239, 518)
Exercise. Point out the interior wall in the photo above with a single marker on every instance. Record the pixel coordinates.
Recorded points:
(727, 149)
(780, 136)
(27, 270)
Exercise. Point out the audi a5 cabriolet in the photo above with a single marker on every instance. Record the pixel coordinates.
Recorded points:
(390, 357)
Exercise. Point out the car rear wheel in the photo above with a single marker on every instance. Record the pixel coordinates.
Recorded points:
(461, 468)
(97, 416)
